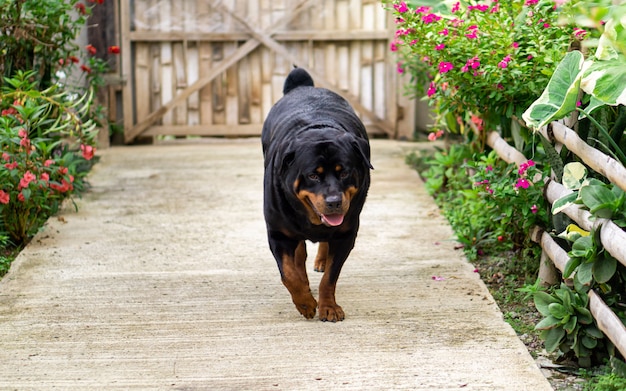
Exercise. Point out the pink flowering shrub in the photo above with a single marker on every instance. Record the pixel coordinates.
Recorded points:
(490, 58)
(512, 197)
(46, 147)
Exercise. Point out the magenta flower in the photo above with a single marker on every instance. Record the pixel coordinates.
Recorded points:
(399, 67)
(478, 7)
(430, 18)
(456, 6)
(401, 8)
(393, 46)
(534, 209)
(441, 46)
(472, 32)
(531, 2)
(445, 66)
(444, 32)
(523, 183)
(431, 89)
(422, 10)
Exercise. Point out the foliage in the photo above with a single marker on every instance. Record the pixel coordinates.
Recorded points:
(486, 59)
(45, 145)
(490, 204)
(568, 323)
(36, 34)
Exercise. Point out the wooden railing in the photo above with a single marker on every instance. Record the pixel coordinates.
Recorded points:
(613, 238)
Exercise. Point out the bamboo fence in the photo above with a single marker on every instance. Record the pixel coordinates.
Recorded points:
(613, 238)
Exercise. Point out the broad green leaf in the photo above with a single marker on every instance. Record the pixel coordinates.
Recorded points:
(542, 301)
(584, 274)
(570, 325)
(573, 233)
(560, 96)
(547, 323)
(589, 342)
(606, 81)
(604, 268)
(594, 332)
(558, 310)
(552, 338)
(570, 267)
(573, 175)
(600, 200)
(563, 202)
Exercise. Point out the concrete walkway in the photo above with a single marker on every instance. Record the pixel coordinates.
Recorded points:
(163, 280)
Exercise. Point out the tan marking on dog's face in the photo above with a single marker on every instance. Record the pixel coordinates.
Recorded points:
(311, 201)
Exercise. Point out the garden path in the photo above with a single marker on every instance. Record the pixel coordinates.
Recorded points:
(163, 280)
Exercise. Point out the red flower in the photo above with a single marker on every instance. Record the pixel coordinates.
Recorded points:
(85, 68)
(97, 1)
(28, 178)
(11, 166)
(4, 197)
(45, 177)
(62, 170)
(81, 8)
(6, 157)
(20, 197)
(63, 187)
(114, 49)
(88, 151)
(74, 59)
(48, 163)
(91, 49)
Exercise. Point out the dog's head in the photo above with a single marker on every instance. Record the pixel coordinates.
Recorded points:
(325, 169)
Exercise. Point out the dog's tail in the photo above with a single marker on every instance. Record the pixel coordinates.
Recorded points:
(298, 77)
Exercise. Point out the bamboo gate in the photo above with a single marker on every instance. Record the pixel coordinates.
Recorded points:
(215, 68)
(613, 238)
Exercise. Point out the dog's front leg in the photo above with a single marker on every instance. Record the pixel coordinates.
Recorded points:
(338, 251)
(291, 259)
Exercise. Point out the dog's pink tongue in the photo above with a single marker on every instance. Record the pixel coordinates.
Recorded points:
(333, 220)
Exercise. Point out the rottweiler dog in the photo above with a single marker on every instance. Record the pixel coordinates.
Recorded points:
(317, 174)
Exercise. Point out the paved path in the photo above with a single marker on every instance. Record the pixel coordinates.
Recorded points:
(164, 281)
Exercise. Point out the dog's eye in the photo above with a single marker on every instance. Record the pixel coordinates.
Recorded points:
(344, 174)
(314, 177)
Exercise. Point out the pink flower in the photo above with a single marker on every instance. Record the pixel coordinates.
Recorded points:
(489, 168)
(45, 177)
(431, 89)
(478, 7)
(456, 6)
(445, 66)
(472, 32)
(401, 8)
(430, 18)
(579, 33)
(444, 32)
(11, 166)
(23, 133)
(441, 46)
(534, 209)
(88, 151)
(523, 183)
(48, 163)
(4, 197)
(399, 68)
(26, 179)
(531, 2)
(435, 135)
(393, 46)
(515, 45)
(6, 157)
(422, 10)
(21, 197)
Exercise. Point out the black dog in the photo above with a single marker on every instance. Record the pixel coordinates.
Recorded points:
(317, 162)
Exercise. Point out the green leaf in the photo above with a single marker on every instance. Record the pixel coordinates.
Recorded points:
(600, 200)
(560, 96)
(570, 267)
(606, 81)
(552, 338)
(558, 310)
(589, 342)
(547, 323)
(573, 175)
(584, 274)
(570, 325)
(594, 332)
(563, 202)
(604, 268)
(542, 301)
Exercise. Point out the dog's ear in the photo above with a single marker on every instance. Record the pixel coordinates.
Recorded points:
(286, 159)
(362, 147)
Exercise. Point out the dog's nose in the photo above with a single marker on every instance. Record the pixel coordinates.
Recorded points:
(333, 202)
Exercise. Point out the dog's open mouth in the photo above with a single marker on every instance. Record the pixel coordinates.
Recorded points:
(332, 220)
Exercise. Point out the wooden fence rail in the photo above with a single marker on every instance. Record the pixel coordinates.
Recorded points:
(613, 238)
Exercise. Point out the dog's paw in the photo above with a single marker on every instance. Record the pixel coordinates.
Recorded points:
(307, 308)
(331, 313)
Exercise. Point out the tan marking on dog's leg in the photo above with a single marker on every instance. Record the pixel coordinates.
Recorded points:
(329, 310)
(321, 257)
(296, 281)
